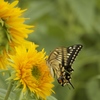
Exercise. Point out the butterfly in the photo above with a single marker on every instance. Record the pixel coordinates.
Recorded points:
(60, 63)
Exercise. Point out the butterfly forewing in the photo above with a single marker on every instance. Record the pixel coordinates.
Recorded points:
(60, 61)
(54, 62)
(72, 53)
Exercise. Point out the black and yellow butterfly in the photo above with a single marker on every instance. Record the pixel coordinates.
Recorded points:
(60, 63)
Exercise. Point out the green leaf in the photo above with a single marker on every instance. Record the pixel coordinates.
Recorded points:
(3, 93)
(84, 9)
(51, 98)
(93, 89)
(38, 9)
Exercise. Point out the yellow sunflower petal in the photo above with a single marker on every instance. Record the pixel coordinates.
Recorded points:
(13, 31)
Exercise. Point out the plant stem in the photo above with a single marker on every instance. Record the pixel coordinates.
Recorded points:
(8, 91)
(21, 95)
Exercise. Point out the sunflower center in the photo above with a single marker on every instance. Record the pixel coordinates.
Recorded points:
(36, 72)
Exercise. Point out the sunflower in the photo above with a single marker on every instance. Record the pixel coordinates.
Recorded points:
(31, 71)
(13, 31)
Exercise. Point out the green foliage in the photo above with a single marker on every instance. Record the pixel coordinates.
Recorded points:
(51, 98)
(3, 92)
(64, 23)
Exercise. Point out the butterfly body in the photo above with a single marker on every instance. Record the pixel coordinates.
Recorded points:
(60, 63)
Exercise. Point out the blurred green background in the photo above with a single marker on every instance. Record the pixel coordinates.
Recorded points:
(64, 23)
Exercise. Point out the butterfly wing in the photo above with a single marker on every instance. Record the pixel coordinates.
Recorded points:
(54, 62)
(70, 54)
(60, 62)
